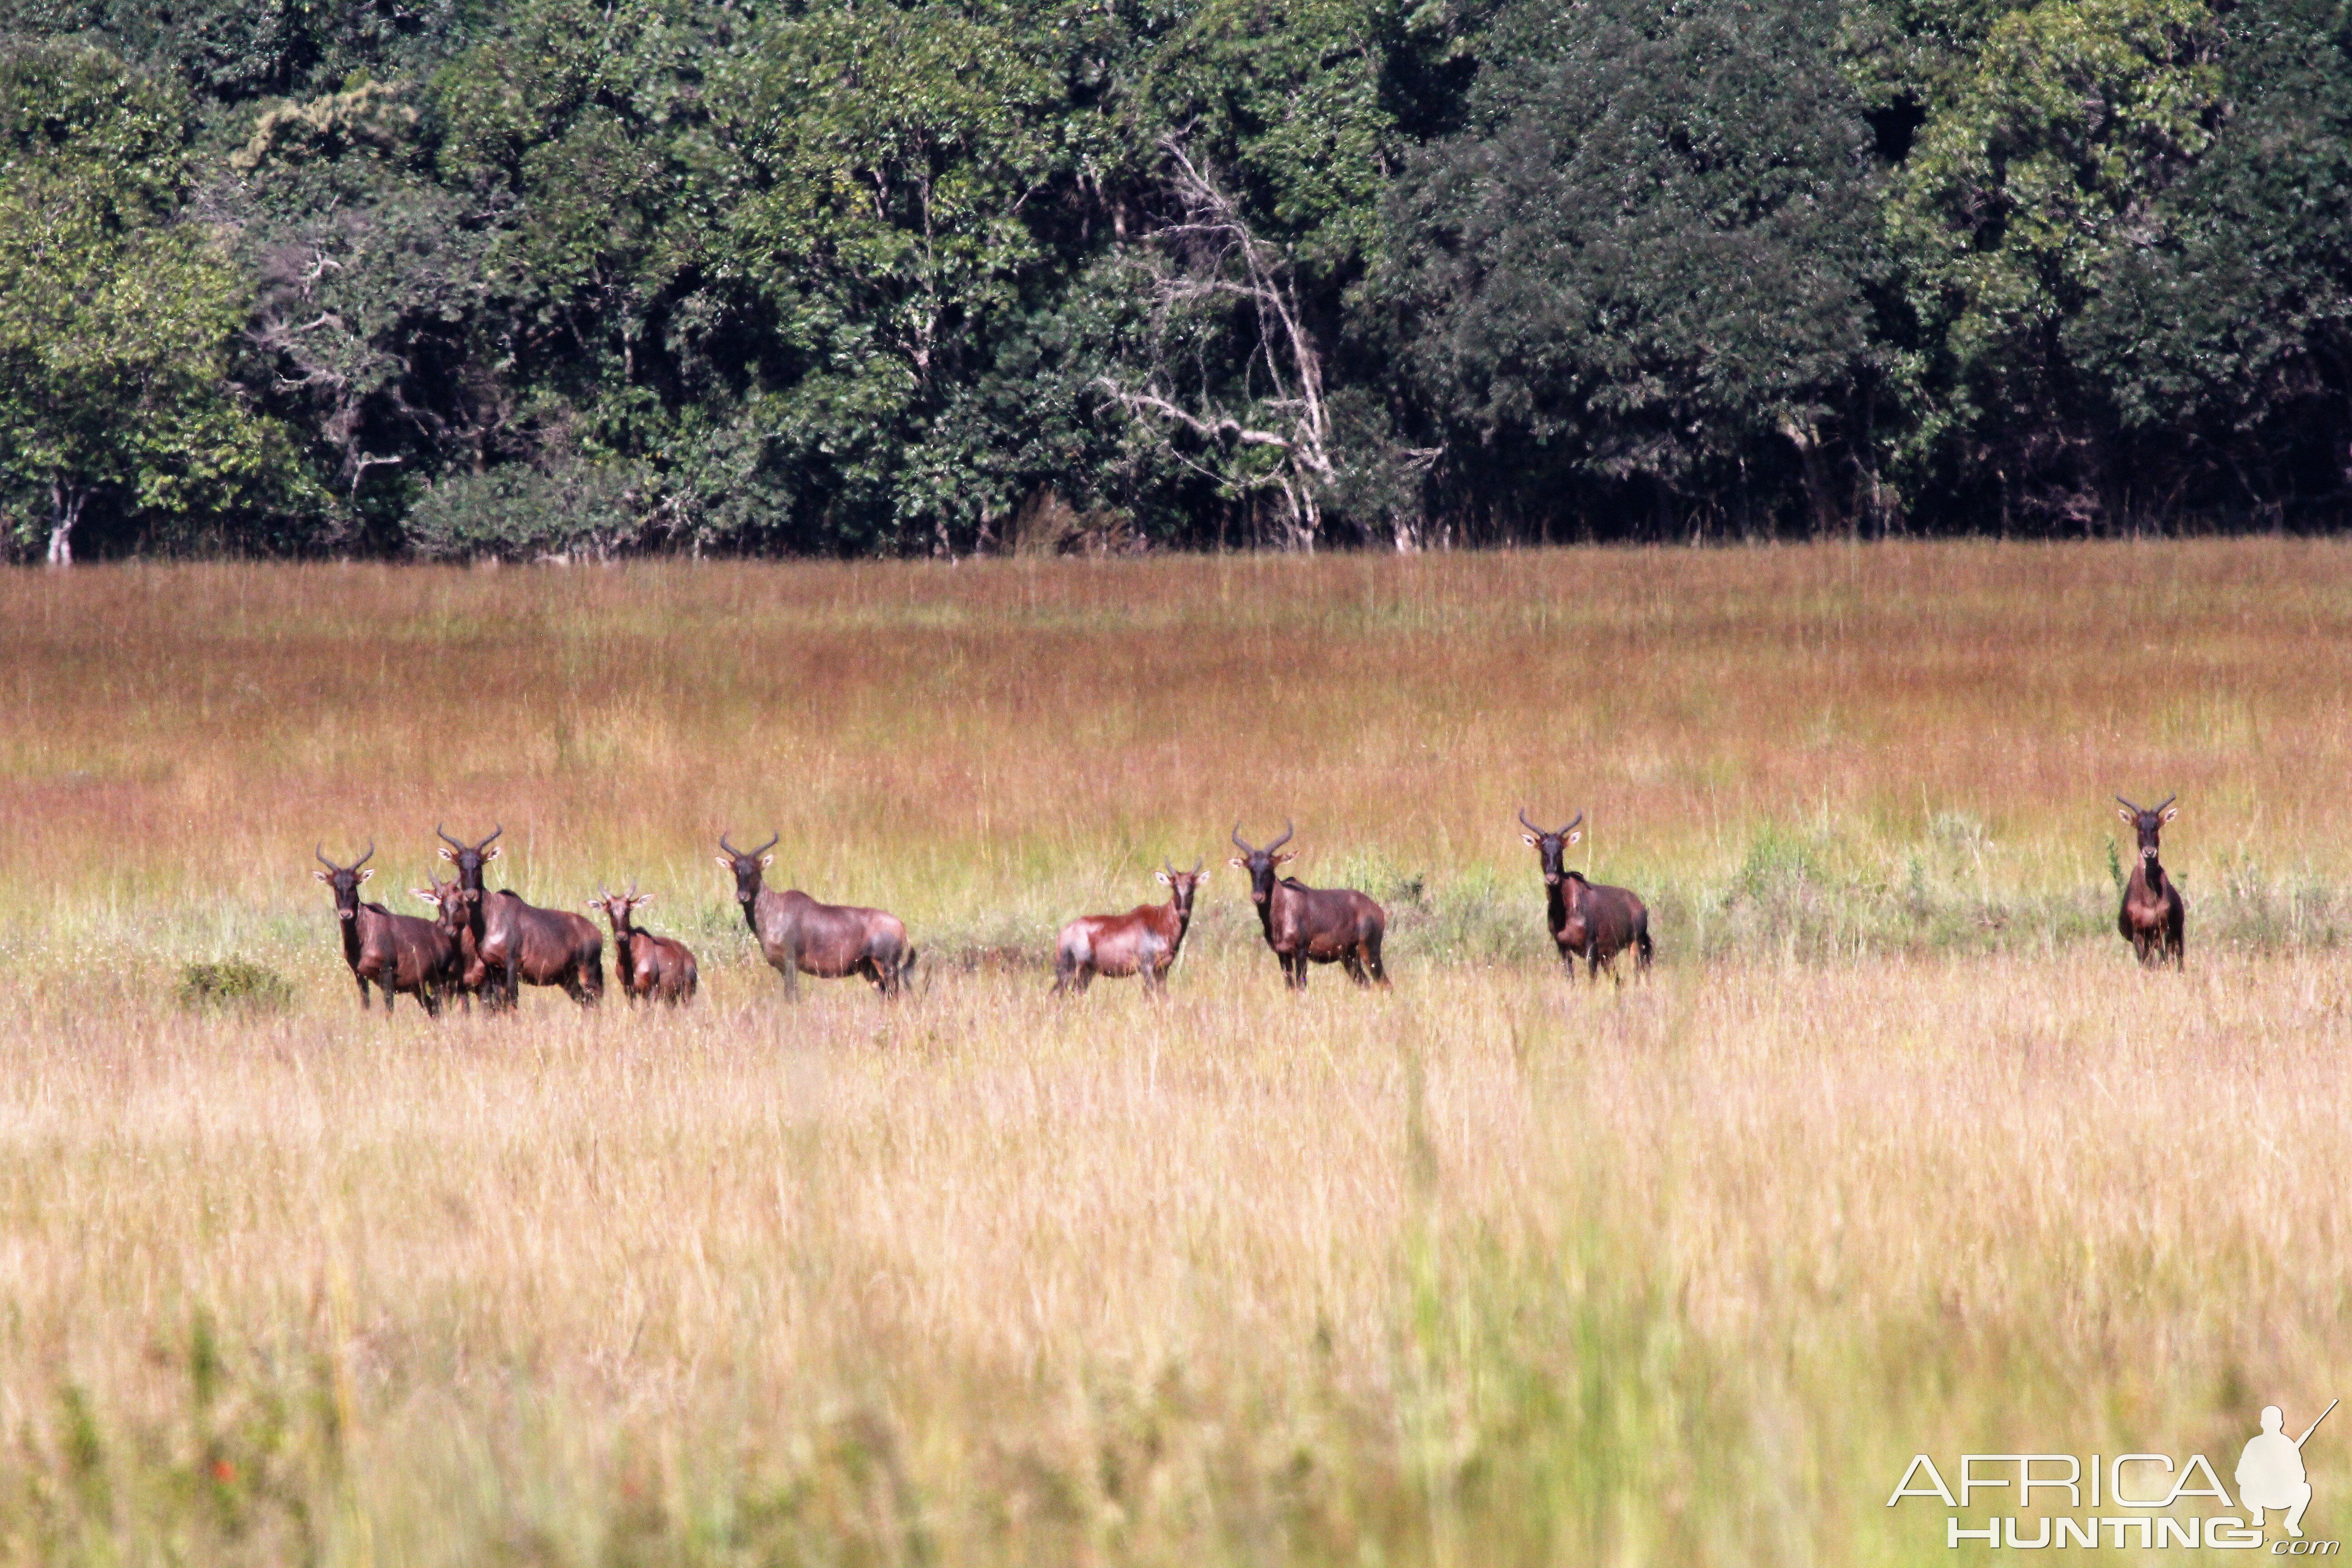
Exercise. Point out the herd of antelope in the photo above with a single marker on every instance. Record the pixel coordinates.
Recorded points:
(489, 945)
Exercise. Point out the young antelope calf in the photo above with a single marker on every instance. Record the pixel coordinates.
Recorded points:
(1144, 940)
(649, 967)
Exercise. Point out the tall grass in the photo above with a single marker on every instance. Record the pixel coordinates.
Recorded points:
(1897, 1153)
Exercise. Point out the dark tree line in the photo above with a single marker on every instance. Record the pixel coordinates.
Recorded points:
(559, 276)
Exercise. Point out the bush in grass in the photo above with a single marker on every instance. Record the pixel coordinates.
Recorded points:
(234, 982)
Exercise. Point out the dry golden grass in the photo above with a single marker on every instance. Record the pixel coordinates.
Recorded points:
(1896, 1152)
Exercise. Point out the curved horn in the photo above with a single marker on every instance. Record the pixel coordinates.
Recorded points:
(485, 844)
(1571, 827)
(364, 858)
(728, 847)
(2121, 801)
(1530, 827)
(440, 833)
(1244, 845)
(1286, 830)
(770, 844)
(1198, 864)
(321, 853)
(2167, 801)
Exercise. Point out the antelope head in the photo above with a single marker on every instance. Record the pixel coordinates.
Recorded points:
(1182, 883)
(469, 859)
(747, 865)
(1550, 847)
(344, 880)
(2147, 824)
(1260, 863)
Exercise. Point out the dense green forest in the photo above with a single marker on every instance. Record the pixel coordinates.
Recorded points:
(454, 277)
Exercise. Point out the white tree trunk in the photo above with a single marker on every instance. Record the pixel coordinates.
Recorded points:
(64, 511)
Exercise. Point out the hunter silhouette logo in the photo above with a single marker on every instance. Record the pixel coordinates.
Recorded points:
(2146, 1493)
(2270, 1472)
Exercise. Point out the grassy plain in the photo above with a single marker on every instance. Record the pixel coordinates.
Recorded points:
(1897, 1153)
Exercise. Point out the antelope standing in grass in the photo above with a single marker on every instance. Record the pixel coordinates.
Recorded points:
(644, 965)
(1142, 941)
(1308, 925)
(512, 943)
(800, 936)
(398, 953)
(1587, 919)
(2155, 917)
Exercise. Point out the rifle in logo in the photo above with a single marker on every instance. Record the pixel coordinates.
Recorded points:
(2271, 1473)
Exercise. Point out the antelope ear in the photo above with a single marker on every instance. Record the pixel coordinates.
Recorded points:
(1285, 855)
(1574, 834)
(1161, 878)
(422, 897)
(1230, 860)
(367, 874)
(641, 899)
(448, 853)
(2171, 812)
(766, 861)
(2128, 814)
(1530, 840)
(320, 875)
(727, 861)
(493, 852)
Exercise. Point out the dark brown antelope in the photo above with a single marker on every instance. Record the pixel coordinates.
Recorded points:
(512, 943)
(646, 966)
(1308, 925)
(800, 936)
(398, 953)
(1142, 941)
(2155, 917)
(1587, 919)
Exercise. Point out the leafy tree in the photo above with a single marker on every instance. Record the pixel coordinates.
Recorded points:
(114, 319)
(1642, 280)
(2221, 344)
(2018, 198)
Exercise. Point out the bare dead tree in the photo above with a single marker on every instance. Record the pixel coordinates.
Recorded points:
(1209, 257)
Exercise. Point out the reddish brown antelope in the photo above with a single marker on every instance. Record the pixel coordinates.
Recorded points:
(399, 954)
(1143, 942)
(2155, 917)
(1308, 925)
(799, 936)
(644, 965)
(1587, 919)
(512, 943)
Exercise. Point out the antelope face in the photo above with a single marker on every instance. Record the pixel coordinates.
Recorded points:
(448, 900)
(1550, 847)
(1260, 863)
(469, 859)
(344, 881)
(616, 907)
(2147, 824)
(747, 867)
(1183, 884)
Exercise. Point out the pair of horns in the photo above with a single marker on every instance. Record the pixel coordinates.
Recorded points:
(1196, 864)
(460, 844)
(1540, 833)
(2143, 810)
(745, 855)
(321, 853)
(1247, 847)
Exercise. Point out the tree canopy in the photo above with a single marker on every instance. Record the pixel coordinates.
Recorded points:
(545, 276)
